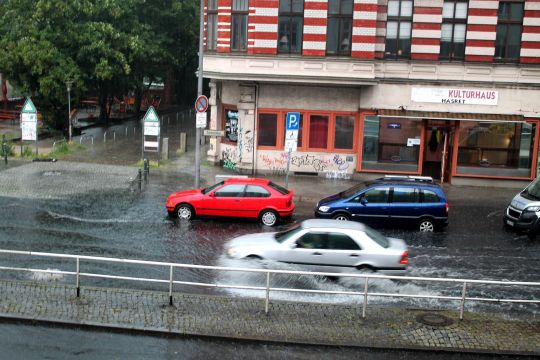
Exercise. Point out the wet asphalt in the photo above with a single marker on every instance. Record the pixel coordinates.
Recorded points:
(124, 222)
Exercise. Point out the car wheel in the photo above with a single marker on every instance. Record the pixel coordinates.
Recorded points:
(365, 269)
(426, 225)
(341, 217)
(185, 212)
(269, 217)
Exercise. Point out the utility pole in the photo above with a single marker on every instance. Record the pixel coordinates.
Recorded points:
(199, 92)
(68, 84)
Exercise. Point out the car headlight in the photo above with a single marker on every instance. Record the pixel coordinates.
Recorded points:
(231, 252)
(324, 208)
(533, 208)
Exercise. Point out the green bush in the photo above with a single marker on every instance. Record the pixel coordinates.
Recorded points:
(7, 148)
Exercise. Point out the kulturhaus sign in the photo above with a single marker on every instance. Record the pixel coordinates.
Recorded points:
(455, 96)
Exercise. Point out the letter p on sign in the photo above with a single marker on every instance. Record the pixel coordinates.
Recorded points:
(293, 121)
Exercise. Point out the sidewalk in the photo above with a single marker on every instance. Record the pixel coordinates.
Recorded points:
(288, 322)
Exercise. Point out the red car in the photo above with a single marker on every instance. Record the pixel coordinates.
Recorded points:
(234, 197)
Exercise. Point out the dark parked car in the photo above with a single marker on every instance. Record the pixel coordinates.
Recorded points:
(523, 213)
(397, 201)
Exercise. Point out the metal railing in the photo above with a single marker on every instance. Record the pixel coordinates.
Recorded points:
(267, 289)
(85, 137)
(61, 141)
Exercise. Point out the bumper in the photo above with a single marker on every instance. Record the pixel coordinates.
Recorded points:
(520, 224)
(322, 215)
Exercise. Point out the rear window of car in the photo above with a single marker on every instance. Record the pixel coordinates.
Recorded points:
(278, 188)
(377, 237)
(430, 197)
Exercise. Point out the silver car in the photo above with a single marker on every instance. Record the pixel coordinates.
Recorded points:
(326, 246)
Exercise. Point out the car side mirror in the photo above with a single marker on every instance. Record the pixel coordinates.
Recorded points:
(212, 194)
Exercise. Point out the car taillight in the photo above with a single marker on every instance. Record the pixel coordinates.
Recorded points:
(447, 207)
(404, 258)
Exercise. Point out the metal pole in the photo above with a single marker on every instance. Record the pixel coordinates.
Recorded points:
(78, 277)
(267, 293)
(462, 301)
(364, 305)
(199, 92)
(287, 172)
(170, 285)
(69, 108)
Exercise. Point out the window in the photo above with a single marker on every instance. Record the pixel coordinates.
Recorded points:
(256, 191)
(377, 195)
(495, 149)
(430, 197)
(239, 16)
(291, 15)
(385, 144)
(267, 131)
(312, 241)
(453, 30)
(233, 190)
(338, 241)
(344, 132)
(510, 19)
(339, 29)
(318, 131)
(398, 29)
(231, 125)
(211, 28)
(405, 195)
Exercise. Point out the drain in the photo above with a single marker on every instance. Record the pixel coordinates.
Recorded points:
(432, 319)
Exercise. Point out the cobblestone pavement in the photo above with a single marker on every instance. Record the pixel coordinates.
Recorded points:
(308, 323)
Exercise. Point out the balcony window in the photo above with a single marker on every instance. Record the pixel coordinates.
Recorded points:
(291, 22)
(339, 30)
(211, 27)
(398, 29)
(509, 27)
(239, 17)
(453, 30)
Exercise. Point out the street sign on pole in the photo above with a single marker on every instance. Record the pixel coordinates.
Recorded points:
(292, 125)
(151, 131)
(200, 120)
(201, 104)
(29, 123)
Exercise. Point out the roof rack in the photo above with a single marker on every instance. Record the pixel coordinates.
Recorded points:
(427, 179)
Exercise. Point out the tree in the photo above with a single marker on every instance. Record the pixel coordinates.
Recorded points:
(105, 47)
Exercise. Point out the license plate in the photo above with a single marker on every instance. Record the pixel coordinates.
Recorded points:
(510, 222)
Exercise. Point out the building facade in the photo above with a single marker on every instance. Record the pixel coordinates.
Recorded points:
(445, 88)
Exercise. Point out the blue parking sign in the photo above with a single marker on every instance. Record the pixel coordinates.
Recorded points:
(292, 121)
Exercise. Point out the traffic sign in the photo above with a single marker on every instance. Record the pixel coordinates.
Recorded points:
(151, 115)
(214, 133)
(201, 104)
(200, 120)
(29, 107)
(293, 121)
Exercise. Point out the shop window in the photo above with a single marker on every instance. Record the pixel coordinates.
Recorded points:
(239, 17)
(495, 148)
(386, 144)
(453, 30)
(344, 132)
(318, 132)
(231, 125)
(211, 27)
(398, 29)
(267, 131)
(509, 26)
(291, 16)
(339, 29)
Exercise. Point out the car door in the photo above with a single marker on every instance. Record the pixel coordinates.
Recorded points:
(372, 206)
(306, 250)
(255, 198)
(405, 207)
(226, 201)
(341, 252)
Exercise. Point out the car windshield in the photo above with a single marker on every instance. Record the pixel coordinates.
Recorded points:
(210, 188)
(285, 235)
(533, 190)
(377, 237)
(352, 191)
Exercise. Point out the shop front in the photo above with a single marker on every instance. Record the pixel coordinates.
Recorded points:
(448, 145)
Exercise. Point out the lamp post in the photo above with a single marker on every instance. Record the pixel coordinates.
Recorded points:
(68, 84)
(199, 92)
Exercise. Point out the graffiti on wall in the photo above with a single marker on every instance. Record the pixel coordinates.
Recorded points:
(229, 155)
(334, 165)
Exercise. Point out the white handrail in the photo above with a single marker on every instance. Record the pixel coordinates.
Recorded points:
(268, 272)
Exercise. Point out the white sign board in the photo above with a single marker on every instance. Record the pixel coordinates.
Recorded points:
(413, 141)
(151, 128)
(200, 120)
(151, 144)
(291, 140)
(455, 96)
(29, 130)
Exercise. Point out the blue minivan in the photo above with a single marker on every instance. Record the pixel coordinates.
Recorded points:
(395, 201)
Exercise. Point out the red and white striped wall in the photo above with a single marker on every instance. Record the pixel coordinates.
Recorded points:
(315, 23)
(481, 30)
(426, 30)
(380, 28)
(263, 26)
(530, 38)
(364, 29)
(224, 26)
